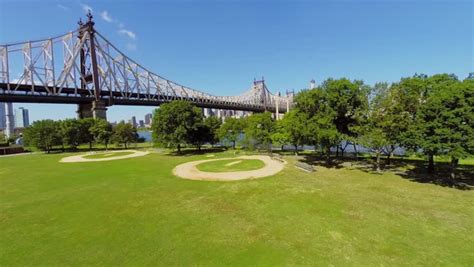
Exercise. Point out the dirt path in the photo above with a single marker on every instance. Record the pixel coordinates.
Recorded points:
(189, 170)
(80, 158)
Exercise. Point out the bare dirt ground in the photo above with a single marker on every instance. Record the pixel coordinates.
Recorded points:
(80, 158)
(189, 170)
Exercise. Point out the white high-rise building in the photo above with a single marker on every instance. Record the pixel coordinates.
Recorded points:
(22, 118)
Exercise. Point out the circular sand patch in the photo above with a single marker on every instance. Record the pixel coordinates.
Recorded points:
(105, 156)
(189, 170)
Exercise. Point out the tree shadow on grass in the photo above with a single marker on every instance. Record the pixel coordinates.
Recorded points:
(193, 152)
(412, 170)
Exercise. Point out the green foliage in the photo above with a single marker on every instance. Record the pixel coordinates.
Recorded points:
(43, 134)
(291, 129)
(176, 123)
(70, 132)
(231, 130)
(124, 133)
(259, 129)
(213, 124)
(102, 132)
(85, 133)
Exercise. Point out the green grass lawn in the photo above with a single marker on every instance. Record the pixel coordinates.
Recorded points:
(231, 165)
(135, 212)
(108, 154)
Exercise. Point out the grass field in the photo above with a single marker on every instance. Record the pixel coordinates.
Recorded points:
(231, 165)
(108, 155)
(135, 212)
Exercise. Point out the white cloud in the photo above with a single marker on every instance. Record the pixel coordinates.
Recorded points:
(106, 16)
(62, 7)
(86, 8)
(128, 33)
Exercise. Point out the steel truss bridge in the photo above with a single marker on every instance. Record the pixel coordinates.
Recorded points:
(82, 67)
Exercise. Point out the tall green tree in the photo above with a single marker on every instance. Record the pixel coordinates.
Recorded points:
(348, 100)
(124, 133)
(213, 123)
(291, 129)
(43, 134)
(102, 132)
(445, 121)
(85, 133)
(231, 130)
(70, 131)
(321, 129)
(259, 129)
(175, 123)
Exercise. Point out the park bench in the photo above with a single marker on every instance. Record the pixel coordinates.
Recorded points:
(278, 157)
(304, 166)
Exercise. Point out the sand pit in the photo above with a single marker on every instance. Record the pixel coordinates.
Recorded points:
(81, 158)
(189, 170)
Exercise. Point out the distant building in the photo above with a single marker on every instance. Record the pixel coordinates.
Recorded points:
(141, 123)
(3, 123)
(133, 121)
(148, 118)
(22, 118)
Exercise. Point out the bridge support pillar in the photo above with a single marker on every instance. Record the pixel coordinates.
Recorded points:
(95, 109)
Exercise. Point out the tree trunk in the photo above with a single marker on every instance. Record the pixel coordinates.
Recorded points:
(233, 144)
(328, 154)
(390, 154)
(342, 152)
(430, 163)
(296, 149)
(179, 148)
(355, 150)
(337, 151)
(454, 165)
(90, 145)
(106, 146)
(378, 161)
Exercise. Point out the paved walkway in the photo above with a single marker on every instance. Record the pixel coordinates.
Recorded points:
(80, 158)
(189, 170)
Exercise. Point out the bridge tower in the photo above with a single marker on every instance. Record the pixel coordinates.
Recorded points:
(89, 73)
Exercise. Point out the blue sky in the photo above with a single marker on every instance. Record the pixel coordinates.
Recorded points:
(221, 46)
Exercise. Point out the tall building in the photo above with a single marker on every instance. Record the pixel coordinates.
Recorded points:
(148, 119)
(133, 121)
(141, 123)
(22, 118)
(9, 120)
(3, 118)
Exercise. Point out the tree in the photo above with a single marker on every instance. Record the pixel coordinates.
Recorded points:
(70, 131)
(213, 124)
(259, 128)
(291, 129)
(42, 134)
(231, 130)
(175, 123)
(417, 126)
(349, 102)
(86, 135)
(102, 132)
(320, 126)
(445, 122)
(124, 133)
